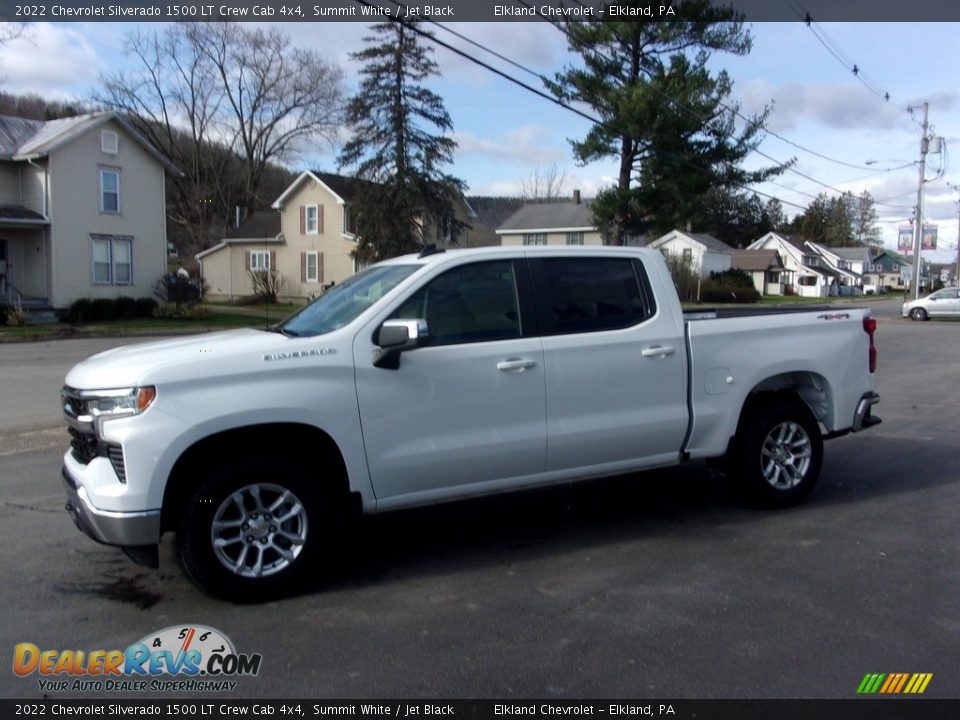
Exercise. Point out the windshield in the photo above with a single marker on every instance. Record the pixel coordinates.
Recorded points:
(342, 303)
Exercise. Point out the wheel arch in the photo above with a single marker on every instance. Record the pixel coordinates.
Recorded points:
(298, 440)
(812, 388)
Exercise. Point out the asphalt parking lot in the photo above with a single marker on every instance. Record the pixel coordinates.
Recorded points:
(643, 586)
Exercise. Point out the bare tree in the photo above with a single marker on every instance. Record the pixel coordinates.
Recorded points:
(547, 183)
(279, 98)
(174, 99)
(225, 103)
(9, 31)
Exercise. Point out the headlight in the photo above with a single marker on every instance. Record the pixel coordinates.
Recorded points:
(85, 409)
(126, 401)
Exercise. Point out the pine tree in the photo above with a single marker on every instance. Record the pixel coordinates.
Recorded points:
(398, 146)
(664, 115)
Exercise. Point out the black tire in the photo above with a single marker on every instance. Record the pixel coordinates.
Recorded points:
(271, 520)
(780, 452)
(918, 314)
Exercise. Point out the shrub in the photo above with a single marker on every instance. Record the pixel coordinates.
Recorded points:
(179, 289)
(732, 277)
(4, 309)
(145, 307)
(266, 284)
(102, 309)
(711, 292)
(124, 307)
(170, 311)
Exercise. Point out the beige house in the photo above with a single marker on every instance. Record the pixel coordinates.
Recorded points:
(309, 241)
(551, 223)
(765, 268)
(82, 210)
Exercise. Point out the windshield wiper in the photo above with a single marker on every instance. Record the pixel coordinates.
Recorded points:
(283, 330)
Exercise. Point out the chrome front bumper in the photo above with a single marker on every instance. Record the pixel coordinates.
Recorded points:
(126, 529)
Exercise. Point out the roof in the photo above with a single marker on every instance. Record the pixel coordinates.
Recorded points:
(18, 214)
(708, 241)
(550, 216)
(344, 188)
(23, 139)
(854, 254)
(261, 224)
(14, 131)
(751, 260)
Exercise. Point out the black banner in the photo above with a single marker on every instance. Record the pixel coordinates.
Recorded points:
(465, 10)
(854, 709)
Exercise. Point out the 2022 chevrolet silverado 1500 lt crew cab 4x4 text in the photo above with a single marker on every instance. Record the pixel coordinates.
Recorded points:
(444, 376)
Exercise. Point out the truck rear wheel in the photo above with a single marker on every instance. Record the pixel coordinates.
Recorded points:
(252, 529)
(780, 452)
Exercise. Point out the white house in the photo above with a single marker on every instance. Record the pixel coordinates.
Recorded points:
(806, 272)
(551, 223)
(705, 253)
(764, 267)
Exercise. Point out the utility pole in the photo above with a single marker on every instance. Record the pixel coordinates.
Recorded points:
(918, 225)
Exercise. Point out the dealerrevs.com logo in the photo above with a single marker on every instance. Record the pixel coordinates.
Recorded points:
(178, 658)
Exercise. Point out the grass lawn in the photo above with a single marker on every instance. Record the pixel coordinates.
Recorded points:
(280, 308)
(140, 326)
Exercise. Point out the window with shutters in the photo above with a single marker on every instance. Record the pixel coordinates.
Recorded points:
(312, 219)
(259, 260)
(312, 267)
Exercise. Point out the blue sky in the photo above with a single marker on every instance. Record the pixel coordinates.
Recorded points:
(505, 133)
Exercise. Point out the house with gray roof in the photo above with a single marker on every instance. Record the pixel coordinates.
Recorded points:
(82, 210)
(704, 253)
(551, 223)
(765, 268)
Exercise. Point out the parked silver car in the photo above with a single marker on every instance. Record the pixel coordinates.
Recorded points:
(943, 302)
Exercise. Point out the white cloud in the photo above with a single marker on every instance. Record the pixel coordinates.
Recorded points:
(57, 62)
(522, 145)
(849, 106)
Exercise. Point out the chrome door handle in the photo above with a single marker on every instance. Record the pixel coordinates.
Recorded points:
(658, 351)
(515, 365)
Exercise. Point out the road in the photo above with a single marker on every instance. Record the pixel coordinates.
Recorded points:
(643, 586)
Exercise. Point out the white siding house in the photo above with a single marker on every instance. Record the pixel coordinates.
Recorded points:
(82, 210)
(705, 253)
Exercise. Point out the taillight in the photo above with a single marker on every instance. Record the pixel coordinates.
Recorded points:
(870, 327)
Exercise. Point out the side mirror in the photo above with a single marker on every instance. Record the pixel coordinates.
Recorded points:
(396, 336)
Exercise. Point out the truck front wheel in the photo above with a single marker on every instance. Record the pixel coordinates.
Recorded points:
(781, 451)
(251, 530)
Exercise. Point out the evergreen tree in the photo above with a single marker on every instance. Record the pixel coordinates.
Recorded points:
(866, 230)
(664, 115)
(398, 146)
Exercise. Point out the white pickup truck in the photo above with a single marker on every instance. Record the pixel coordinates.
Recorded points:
(445, 376)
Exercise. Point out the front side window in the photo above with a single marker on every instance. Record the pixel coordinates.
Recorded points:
(577, 295)
(534, 238)
(110, 190)
(773, 276)
(343, 303)
(468, 304)
(688, 255)
(574, 238)
(112, 260)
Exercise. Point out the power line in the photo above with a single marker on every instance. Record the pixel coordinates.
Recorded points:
(572, 109)
(836, 51)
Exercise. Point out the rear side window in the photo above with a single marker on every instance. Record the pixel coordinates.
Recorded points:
(578, 295)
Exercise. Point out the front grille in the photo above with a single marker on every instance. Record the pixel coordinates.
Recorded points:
(85, 448)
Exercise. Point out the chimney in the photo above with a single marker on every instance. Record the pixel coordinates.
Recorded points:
(689, 226)
(237, 216)
(576, 196)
